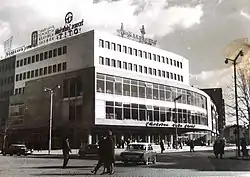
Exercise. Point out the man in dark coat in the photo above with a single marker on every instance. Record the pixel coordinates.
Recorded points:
(109, 156)
(162, 146)
(66, 149)
(100, 155)
(191, 145)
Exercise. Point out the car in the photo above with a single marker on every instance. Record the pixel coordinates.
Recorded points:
(18, 149)
(89, 150)
(139, 152)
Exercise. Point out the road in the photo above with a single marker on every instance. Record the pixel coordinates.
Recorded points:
(168, 164)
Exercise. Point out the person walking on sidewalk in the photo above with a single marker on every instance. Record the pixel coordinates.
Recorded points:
(66, 149)
(109, 156)
(100, 155)
(162, 146)
(191, 145)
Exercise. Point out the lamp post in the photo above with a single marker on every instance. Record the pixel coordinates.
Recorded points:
(234, 61)
(176, 127)
(51, 92)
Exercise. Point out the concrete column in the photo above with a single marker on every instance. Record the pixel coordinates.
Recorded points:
(90, 139)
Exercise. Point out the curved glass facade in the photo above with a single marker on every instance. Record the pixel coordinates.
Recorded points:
(148, 90)
(134, 88)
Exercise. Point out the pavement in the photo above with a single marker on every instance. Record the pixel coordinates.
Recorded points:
(185, 164)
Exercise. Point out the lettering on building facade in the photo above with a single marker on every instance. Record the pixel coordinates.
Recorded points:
(170, 125)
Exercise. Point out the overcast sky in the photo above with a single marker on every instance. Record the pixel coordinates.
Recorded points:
(196, 29)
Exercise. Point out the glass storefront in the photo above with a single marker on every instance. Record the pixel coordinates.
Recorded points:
(134, 88)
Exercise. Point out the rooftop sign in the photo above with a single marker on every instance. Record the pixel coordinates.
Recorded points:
(135, 37)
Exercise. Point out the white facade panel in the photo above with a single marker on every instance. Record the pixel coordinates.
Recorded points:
(115, 54)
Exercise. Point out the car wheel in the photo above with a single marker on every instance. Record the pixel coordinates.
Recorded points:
(11, 154)
(18, 154)
(154, 160)
(4, 153)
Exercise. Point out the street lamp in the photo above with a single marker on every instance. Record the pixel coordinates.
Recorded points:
(176, 127)
(236, 97)
(51, 92)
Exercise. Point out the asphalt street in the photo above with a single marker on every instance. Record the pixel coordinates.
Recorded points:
(168, 164)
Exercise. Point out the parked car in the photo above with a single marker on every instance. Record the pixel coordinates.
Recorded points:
(18, 149)
(139, 152)
(89, 150)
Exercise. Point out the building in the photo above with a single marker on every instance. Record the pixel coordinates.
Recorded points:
(107, 82)
(229, 133)
(217, 97)
(7, 75)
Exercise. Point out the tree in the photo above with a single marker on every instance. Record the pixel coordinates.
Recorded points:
(243, 90)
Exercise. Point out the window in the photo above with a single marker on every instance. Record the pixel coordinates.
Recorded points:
(37, 58)
(178, 64)
(64, 49)
(178, 76)
(33, 59)
(171, 75)
(171, 61)
(130, 66)
(21, 62)
(124, 49)
(167, 74)
(29, 60)
(113, 64)
(181, 64)
(158, 58)
(107, 61)
(59, 51)
(163, 59)
(118, 86)
(101, 60)
(159, 72)
(145, 55)
(50, 54)
(101, 43)
(163, 73)
(125, 66)
(45, 55)
(154, 56)
(145, 70)
(119, 64)
(135, 52)
(107, 44)
(130, 51)
(25, 61)
(54, 53)
(49, 69)
(59, 66)
(36, 72)
(64, 65)
(181, 78)
(24, 76)
(32, 73)
(154, 72)
(135, 67)
(174, 62)
(150, 71)
(17, 77)
(150, 56)
(54, 68)
(140, 68)
(140, 53)
(41, 56)
(166, 60)
(45, 70)
(28, 74)
(40, 71)
(113, 46)
(174, 76)
(17, 63)
(119, 47)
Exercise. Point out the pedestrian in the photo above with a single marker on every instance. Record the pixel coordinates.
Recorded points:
(66, 150)
(191, 145)
(162, 146)
(100, 155)
(216, 148)
(109, 156)
(244, 149)
(169, 145)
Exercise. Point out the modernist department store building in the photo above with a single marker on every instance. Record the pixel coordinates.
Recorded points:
(108, 82)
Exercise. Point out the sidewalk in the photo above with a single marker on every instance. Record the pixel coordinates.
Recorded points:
(156, 148)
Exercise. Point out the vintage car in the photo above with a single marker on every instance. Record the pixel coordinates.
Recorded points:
(139, 152)
(89, 150)
(18, 149)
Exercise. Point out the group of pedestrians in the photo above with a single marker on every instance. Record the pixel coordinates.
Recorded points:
(106, 155)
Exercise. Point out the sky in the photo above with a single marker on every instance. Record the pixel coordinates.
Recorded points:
(199, 30)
